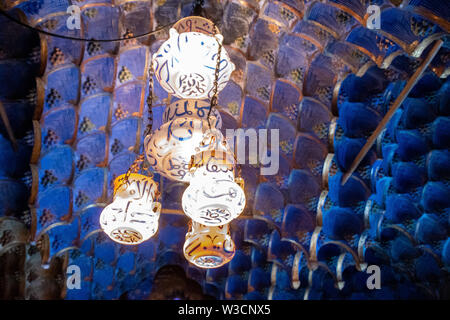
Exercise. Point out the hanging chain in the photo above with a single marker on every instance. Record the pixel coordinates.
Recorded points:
(139, 162)
(214, 98)
(214, 103)
(239, 180)
(134, 168)
(148, 129)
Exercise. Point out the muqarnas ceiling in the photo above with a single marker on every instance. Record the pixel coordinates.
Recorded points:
(309, 68)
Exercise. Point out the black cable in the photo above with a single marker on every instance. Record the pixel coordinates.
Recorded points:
(83, 39)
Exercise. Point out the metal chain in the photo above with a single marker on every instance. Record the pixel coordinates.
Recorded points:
(238, 166)
(138, 162)
(239, 173)
(214, 98)
(148, 129)
(134, 168)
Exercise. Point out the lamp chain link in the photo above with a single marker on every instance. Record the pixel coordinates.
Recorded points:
(148, 129)
(214, 98)
(139, 161)
(134, 168)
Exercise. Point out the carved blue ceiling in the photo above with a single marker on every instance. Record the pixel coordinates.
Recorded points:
(74, 114)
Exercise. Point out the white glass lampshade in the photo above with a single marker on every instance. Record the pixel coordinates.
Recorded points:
(132, 217)
(169, 149)
(208, 247)
(213, 198)
(185, 64)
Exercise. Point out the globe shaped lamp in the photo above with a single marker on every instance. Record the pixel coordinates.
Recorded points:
(208, 247)
(133, 215)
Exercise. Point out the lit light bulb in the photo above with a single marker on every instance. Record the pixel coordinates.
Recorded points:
(132, 217)
(213, 198)
(208, 247)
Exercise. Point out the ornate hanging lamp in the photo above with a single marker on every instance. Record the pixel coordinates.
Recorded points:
(208, 247)
(185, 64)
(213, 198)
(169, 149)
(133, 215)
